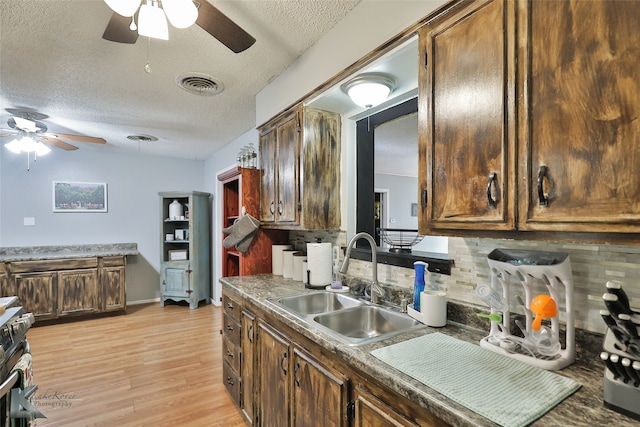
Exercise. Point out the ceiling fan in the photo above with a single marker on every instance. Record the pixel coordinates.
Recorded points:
(122, 29)
(26, 123)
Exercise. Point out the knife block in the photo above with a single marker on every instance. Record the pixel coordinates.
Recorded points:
(620, 396)
(521, 272)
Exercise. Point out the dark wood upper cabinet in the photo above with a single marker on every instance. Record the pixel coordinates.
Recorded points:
(579, 114)
(528, 120)
(300, 170)
(466, 119)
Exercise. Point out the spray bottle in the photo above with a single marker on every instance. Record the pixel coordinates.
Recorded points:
(418, 283)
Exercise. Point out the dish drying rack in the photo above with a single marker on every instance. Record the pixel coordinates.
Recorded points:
(399, 239)
(520, 267)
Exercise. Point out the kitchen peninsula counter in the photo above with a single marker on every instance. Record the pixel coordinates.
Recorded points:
(34, 253)
(584, 408)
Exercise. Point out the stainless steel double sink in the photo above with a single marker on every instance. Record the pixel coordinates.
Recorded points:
(350, 320)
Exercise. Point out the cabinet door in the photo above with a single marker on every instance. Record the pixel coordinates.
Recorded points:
(37, 293)
(467, 119)
(581, 125)
(371, 412)
(319, 394)
(113, 288)
(288, 169)
(268, 146)
(273, 377)
(77, 291)
(247, 368)
(174, 279)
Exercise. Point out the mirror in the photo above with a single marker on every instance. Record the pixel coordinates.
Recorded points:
(381, 148)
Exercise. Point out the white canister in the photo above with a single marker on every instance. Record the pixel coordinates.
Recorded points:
(299, 266)
(276, 258)
(287, 263)
(175, 210)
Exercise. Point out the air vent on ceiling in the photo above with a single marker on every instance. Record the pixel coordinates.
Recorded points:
(199, 84)
(145, 138)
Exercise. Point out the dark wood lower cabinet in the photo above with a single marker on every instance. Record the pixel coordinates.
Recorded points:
(320, 394)
(371, 412)
(285, 380)
(273, 376)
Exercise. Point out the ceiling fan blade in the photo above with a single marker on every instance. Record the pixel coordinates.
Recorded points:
(77, 137)
(58, 143)
(118, 29)
(222, 28)
(10, 133)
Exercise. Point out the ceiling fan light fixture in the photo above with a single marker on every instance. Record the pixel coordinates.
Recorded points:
(369, 89)
(180, 13)
(152, 21)
(126, 8)
(26, 144)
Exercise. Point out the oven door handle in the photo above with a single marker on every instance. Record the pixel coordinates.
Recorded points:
(9, 383)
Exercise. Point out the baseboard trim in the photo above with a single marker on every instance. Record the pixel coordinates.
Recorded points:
(143, 301)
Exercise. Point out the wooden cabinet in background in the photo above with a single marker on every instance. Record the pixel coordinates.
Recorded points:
(523, 128)
(57, 288)
(300, 170)
(241, 195)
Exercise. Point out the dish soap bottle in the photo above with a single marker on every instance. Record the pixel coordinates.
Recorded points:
(418, 283)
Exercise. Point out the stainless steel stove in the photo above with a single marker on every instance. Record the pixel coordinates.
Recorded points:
(14, 324)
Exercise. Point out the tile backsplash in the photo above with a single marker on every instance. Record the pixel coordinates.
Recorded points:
(593, 265)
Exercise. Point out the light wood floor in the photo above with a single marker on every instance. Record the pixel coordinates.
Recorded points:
(153, 366)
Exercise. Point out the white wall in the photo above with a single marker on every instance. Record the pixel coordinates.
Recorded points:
(133, 183)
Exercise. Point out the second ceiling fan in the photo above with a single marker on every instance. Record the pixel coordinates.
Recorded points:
(119, 29)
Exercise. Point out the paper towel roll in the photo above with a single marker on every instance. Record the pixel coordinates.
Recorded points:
(276, 258)
(298, 272)
(319, 263)
(287, 263)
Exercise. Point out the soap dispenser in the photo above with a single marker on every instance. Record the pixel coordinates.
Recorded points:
(418, 283)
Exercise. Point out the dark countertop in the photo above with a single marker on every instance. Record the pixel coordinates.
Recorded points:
(35, 253)
(584, 408)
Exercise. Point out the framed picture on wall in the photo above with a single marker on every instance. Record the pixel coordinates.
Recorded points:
(79, 196)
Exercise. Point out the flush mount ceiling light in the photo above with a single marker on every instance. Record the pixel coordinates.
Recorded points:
(153, 15)
(369, 89)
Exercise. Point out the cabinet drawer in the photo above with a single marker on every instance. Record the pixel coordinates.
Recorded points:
(53, 265)
(231, 354)
(231, 330)
(231, 382)
(113, 261)
(231, 307)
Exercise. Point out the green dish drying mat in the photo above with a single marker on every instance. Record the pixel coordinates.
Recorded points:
(505, 390)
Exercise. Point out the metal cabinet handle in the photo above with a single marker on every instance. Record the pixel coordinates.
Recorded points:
(271, 208)
(229, 354)
(424, 198)
(542, 197)
(229, 328)
(283, 365)
(230, 306)
(280, 207)
(492, 189)
(250, 333)
(229, 381)
(295, 374)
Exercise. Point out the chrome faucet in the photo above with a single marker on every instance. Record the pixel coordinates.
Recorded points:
(375, 286)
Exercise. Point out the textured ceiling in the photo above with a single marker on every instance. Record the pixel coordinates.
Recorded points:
(53, 60)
